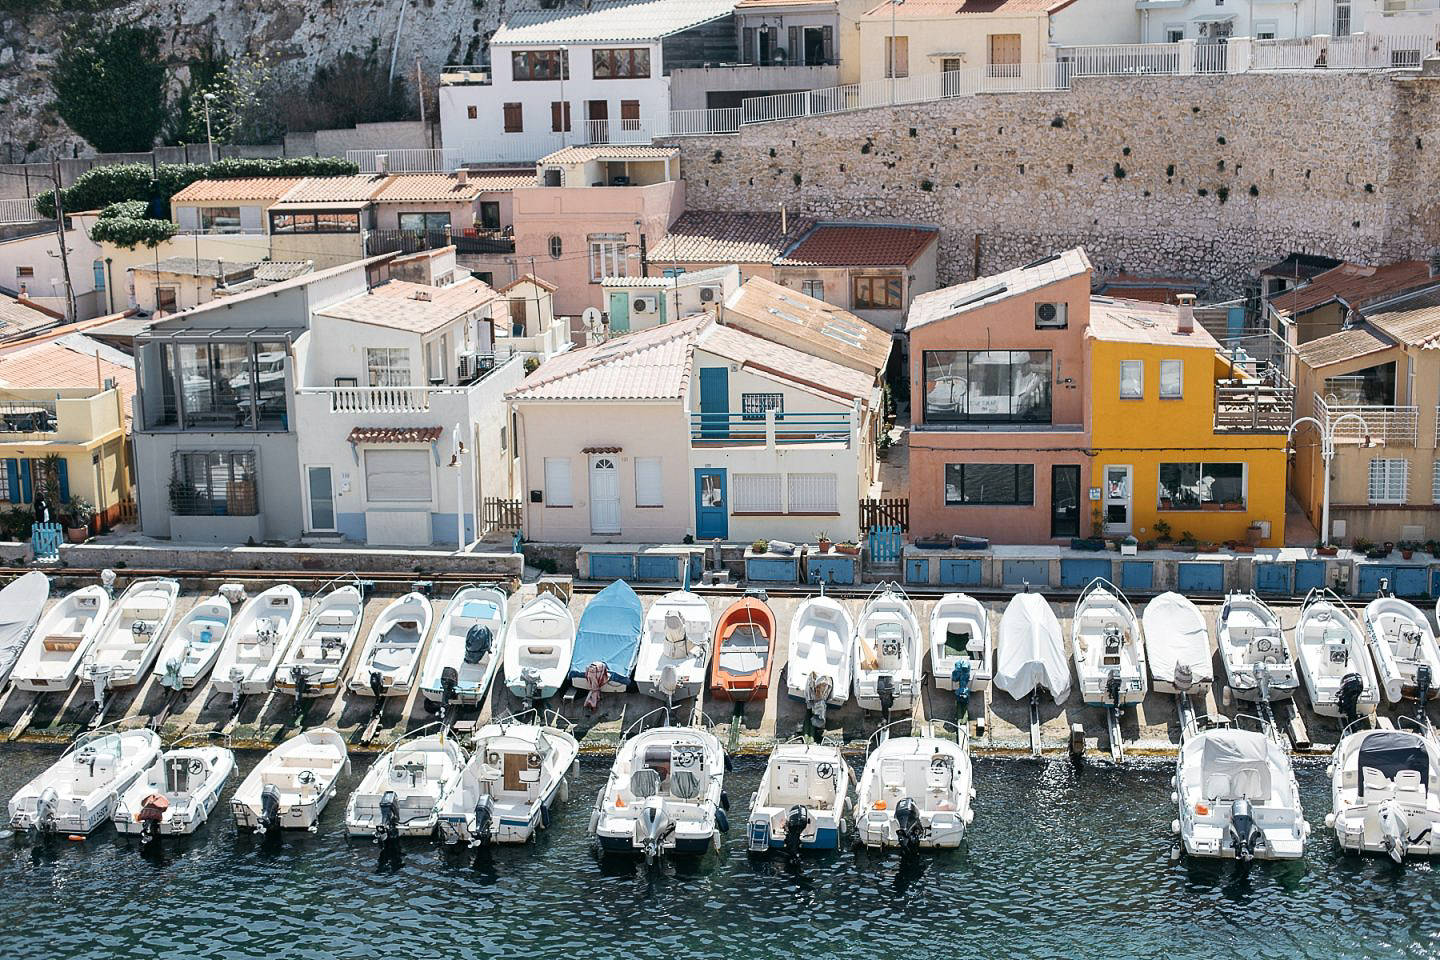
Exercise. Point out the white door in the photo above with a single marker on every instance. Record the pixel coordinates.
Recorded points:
(604, 495)
(320, 491)
(1117, 499)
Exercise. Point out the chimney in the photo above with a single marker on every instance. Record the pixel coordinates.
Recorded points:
(1186, 302)
(382, 163)
(462, 176)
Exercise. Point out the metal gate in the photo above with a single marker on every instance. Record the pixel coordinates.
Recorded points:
(45, 541)
(885, 544)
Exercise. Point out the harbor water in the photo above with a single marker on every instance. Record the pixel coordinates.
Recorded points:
(1060, 862)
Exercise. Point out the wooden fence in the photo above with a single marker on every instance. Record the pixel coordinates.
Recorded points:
(886, 511)
(502, 514)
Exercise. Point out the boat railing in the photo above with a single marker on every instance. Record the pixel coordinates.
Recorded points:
(1252, 718)
(410, 736)
(1421, 725)
(119, 725)
(639, 725)
(538, 718)
(335, 583)
(1359, 723)
(1101, 583)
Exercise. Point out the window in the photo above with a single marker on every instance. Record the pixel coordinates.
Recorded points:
(607, 256)
(629, 114)
(987, 386)
(228, 385)
(5, 494)
(1190, 486)
(324, 221)
(813, 288)
(649, 489)
(424, 222)
(387, 366)
(876, 293)
(950, 65)
(1435, 482)
(397, 476)
(897, 56)
(1174, 34)
(220, 219)
(557, 482)
(99, 267)
(1342, 18)
(989, 484)
(754, 405)
(557, 247)
(756, 493)
(1005, 55)
(539, 65)
(559, 116)
(472, 113)
(214, 483)
(490, 214)
(1132, 379)
(811, 493)
(1265, 29)
(627, 63)
(1172, 378)
(514, 118)
(1373, 385)
(1388, 480)
(25, 273)
(165, 299)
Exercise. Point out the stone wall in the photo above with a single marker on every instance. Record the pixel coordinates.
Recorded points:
(1201, 177)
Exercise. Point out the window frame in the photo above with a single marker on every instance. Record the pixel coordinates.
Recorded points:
(425, 217)
(751, 485)
(1200, 502)
(607, 250)
(755, 404)
(512, 117)
(825, 487)
(539, 65)
(1387, 497)
(1435, 482)
(970, 358)
(410, 496)
(395, 360)
(239, 466)
(814, 289)
(635, 60)
(1179, 392)
(893, 43)
(560, 116)
(556, 246)
(208, 215)
(1020, 495)
(864, 287)
(1139, 393)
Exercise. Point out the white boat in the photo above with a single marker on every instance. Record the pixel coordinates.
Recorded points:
(1334, 665)
(127, 644)
(665, 793)
(1402, 643)
(291, 784)
(176, 793)
(61, 641)
(22, 601)
(77, 793)
(259, 640)
(519, 769)
(390, 658)
(674, 647)
(889, 654)
(1030, 652)
(539, 644)
(1177, 645)
(916, 792)
(1237, 798)
(315, 662)
(1106, 645)
(1253, 649)
(467, 650)
(822, 636)
(960, 630)
(1385, 793)
(802, 799)
(403, 791)
(194, 643)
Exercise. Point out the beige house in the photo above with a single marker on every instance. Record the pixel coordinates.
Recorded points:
(179, 283)
(912, 38)
(1324, 303)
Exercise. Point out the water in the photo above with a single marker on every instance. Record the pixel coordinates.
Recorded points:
(1058, 864)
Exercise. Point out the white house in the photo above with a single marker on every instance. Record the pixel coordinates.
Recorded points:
(636, 303)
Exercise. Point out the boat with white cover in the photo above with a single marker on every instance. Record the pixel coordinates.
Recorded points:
(316, 661)
(960, 630)
(1385, 793)
(22, 601)
(467, 649)
(675, 647)
(176, 793)
(76, 793)
(259, 640)
(129, 641)
(403, 791)
(1177, 645)
(390, 658)
(539, 644)
(1402, 643)
(1253, 650)
(519, 769)
(291, 785)
(61, 641)
(822, 636)
(190, 651)
(889, 653)
(916, 791)
(1107, 647)
(1030, 652)
(802, 799)
(1334, 664)
(1237, 798)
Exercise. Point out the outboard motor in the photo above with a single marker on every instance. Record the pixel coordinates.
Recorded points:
(885, 690)
(960, 679)
(908, 827)
(1394, 830)
(1423, 680)
(237, 677)
(388, 829)
(100, 677)
(377, 687)
(1245, 835)
(484, 821)
(1184, 676)
(597, 675)
(797, 821)
(45, 808)
(655, 827)
(152, 814)
(171, 678)
(449, 683)
(530, 677)
(1348, 699)
(269, 810)
(301, 680)
(817, 696)
(1112, 687)
(478, 641)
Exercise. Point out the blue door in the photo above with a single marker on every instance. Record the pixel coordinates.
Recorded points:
(714, 402)
(1201, 577)
(1309, 574)
(1273, 577)
(1137, 575)
(712, 517)
(619, 312)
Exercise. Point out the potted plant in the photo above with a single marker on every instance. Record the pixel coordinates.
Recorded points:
(848, 547)
(78, 519)
(1325, 549)
(823, 542)
(1097, 522)
(1129, 545)
(1162, 531)
(1187, 540)
(1407, 549)
(760, 546)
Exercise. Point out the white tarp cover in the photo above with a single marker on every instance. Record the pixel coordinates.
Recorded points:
(21, 602)
(1031, 651)
(1175, 635)
(1242, 757)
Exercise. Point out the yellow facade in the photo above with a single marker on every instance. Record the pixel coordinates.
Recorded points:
(88, 435)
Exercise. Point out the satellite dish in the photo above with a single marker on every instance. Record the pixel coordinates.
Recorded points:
(591, 318)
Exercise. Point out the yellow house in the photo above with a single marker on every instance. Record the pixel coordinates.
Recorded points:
(916, 38)
(1182, 434)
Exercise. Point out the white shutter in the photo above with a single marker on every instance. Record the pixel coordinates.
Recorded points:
(648, 488)
(811, 493)
(1388, 480)
(1172, 378)
(187, 218)
(250, 221)
(756, 493)
(557, 482)
(397, 475)
(1132, 379)
(1435, 482)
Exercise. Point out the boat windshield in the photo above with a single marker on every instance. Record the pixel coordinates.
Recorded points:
(104, 743)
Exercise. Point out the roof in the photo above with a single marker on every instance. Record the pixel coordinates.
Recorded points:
(313, 190)
(1353, 284)
(941, 9)
(122, 326)
(651, 364)
(243, 188)
(816, 373)
(1142, 321)
(428, 186)
(394, 305)
(17, 318)
(1413, 321)
(860, 245)
(606, 21)
(395, 434)
(712, 236)
(503, 179)
(687, 278)
(962, 297)
(529, 278)
(767, 309)
(609, 152)
(268, 272)
(752, 4)
(69, 362)
(203, 267)
(1300, 266)
(1347, 344)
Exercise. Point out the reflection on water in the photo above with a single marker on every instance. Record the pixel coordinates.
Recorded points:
(1059, 863)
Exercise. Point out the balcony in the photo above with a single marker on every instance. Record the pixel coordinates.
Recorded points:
(727, 83)
(472, 242)
(27, 417)
(42, 415)
(745, 429)
(1394, 425)
(465, 75)
(1253, 407)
(472, 370)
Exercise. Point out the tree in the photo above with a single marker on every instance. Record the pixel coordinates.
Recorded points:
(186, 120)
(244, 108)
(352, 89)
(110, 85)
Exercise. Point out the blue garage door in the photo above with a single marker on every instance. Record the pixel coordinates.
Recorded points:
(1077, 572)
(1201, 577)
(653, 567)
(1034, 572)
(612, 566)
(1138, 575)
(960, 572)
(917, 570)
(1273, 577)
(1411, 581)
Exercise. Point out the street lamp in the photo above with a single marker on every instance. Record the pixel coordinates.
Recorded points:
(1327, 453)
(209, 137)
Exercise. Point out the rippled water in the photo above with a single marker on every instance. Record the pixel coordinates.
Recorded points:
(1059, 863)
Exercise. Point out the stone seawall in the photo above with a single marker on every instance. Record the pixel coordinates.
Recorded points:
(1202, 177)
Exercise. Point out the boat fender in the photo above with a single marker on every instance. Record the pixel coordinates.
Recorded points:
(544, 818)
(722, 822)
(564, 790)
(724, 801)
(1175, 827)
(729, 764)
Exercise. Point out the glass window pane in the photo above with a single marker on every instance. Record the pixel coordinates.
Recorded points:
(954, 475)
(1172, 377)
(988, 390)
(270, 390)
(1223, 482)
(944, 385)
(413, 222)
(1132, 379)
(1030, 386)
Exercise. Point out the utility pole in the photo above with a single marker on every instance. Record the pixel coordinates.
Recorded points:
(70, 310)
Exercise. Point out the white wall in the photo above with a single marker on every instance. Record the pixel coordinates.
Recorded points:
(41, 253)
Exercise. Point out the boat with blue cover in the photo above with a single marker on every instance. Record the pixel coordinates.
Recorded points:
(607, 642)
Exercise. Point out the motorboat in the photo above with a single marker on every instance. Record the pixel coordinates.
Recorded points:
(1030, 651)
(175, 794)
(916, 791)
(1334, 665)
(61, 640)
(818, 671)
(403, 791)
(1253, 650)
(190, 651)
(889, 653)
(674, 647)
(315, 663)
(539, 643)
(390, 658)
(1177, 645)
(1403, 645)
(665, 793)
(126, 647)
(466, 652)
(519, 769)
(744, 650)
(291, 784)
(77, 793)
(22, 601)
(607, 641)
(802, 799)
(960, 631)
(1385, 793)
(259, 639)
(1107, 646)
(1237, 798)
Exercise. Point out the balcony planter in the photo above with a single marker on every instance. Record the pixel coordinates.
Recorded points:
(1128, 546)
(1325, 550)
(849, 549)
(1166, 503)
(1232, 505)
(1095, 544)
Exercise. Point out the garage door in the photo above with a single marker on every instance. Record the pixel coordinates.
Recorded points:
(397, 476)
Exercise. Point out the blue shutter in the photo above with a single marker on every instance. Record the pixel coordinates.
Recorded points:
(27, 493)
(63, 472)
(12, 473)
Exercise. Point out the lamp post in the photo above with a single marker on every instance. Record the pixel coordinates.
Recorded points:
(209, 137)
(457, 460)
(1327, 453)
(891, 65)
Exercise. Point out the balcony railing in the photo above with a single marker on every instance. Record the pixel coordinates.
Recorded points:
(1253, 408)
(475, 242)
(28, 417)
(402, 399)
(731, 429)
(1392, 424)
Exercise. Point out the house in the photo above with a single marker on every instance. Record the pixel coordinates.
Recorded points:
(774, 312)
(30, 267)
(179, 283)
(635, 303)
(228, 206)
(534, 328)
(1169, 21)
(1291, 272)
(1323, 305)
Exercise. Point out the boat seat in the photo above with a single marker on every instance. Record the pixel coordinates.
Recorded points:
(1377, 785)
(1409, 785)
(1217, 787)
(343, 618)
(148, 612)
(63, 642)
(939, 776)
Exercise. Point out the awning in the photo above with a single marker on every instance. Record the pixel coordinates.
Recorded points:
(600, 449)
(1214, 18)
(396, 434)
(307, 205)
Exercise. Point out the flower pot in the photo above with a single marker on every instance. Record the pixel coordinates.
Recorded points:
(849, 549)
(824, 545)
(1329, 551)
(77, 534)
(1407, 554)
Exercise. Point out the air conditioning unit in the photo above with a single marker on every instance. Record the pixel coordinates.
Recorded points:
(642, 305)
(423, 296)
(709, 294)
(1049, 316)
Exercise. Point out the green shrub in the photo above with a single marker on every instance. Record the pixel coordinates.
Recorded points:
(110, 84)
(126, 225)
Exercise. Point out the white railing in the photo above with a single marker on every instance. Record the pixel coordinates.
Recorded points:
(22, 210)
(1120, 59)
(689, 123)
(1357, 51)
(378, 399)
(405, 160)
(617, 131)
(465, 73)
(1393, 424)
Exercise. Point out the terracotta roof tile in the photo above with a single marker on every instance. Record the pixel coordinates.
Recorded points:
(816, 374)
(860, 245)
(711, 236)
(617, 151)
(1355, 284)
(1414, 320)
(1346, 345)
(935, 9)
(54, 365)
(336, 189)
(503, 179)
(766, 309)
(608, 21)
(540, 282)
(244, 188)
(396, 434)
(427, 187)
(1143, 321)
(18, 319)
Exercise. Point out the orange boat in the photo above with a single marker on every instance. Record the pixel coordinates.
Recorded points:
(744, 647)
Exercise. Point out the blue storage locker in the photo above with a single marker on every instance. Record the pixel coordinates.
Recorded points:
(657, 567)
(836, 568)
(960, 571)
(917, 570)
(1435, 582)
(773, 569)
(1411, 581)
(1034, 572)
(1201, 576)
(1369, 576)
(612, 566)
(1309, 574)
(1077, 572)
(1137, 575)
(1274, 577)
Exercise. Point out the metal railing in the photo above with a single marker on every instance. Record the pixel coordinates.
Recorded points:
(1437, 426)
(22, 210)
(1254, 408)
(1357, 51)
(1392, 424)
(405, 160)
(788, 428)
(28, 417)
(413, 241)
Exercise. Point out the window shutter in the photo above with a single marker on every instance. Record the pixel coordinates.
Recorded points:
(557, 482)
(27, 493)
(811, 493)
(794, 54)
(749, 45)
(829, 34)
(62, 472)
(397, 475)
(757, 493)
(648, 486)
(555, 120)
(12, 474)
